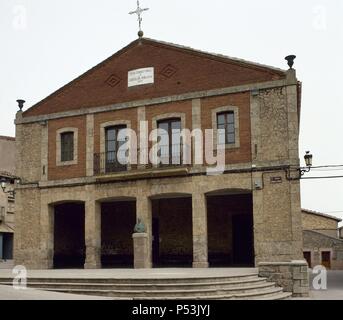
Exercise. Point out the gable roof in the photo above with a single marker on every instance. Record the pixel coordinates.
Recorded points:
(324, 215)
(178, 70)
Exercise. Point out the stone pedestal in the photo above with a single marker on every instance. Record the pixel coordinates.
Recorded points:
(141, 250)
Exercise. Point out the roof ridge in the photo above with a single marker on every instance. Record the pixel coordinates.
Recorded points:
(218, 55)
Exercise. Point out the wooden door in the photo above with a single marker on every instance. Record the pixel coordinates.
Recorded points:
(307, 257)
(326, 259)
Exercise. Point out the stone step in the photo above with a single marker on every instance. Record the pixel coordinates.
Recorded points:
(8, 265)
(143, 286)
(170, 280)
(272, 293)
(255, 289)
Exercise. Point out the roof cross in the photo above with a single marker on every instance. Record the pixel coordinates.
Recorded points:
(139, 12)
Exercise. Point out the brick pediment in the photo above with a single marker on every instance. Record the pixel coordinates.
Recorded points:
(177, 70)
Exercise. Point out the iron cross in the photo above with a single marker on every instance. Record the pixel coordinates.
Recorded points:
(139, 12)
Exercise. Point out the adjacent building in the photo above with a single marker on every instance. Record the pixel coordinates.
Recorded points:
(7, 170)
(78, 203)
(323, 244)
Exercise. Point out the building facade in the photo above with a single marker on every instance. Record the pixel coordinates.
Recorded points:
(322, 242)
(7, 161)
(77, 204)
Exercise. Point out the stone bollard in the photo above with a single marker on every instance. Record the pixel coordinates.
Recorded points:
(141, 250)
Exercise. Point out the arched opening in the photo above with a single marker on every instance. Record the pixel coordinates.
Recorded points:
(230, 228)
(172, 244)
(69, 235)
(118, 219)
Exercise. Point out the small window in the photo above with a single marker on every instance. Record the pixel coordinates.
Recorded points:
(226, 122)
(67, 146)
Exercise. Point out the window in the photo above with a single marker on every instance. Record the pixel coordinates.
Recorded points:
(169, 137)
(226, 122)
(67, 146)
(115, 137)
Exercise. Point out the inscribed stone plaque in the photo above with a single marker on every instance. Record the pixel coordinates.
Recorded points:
(140, 76)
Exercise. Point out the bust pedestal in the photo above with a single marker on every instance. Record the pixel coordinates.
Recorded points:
(141, 251)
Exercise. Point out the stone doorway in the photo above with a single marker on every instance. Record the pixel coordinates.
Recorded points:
(69, 235)
(172, 244)
(230, 229)
(118, 219)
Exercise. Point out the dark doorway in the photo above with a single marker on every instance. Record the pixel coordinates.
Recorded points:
(326, 259)
(8, 246)
(242, 227)
(230, 230)
(307, 257)
(172, 232)
(118, 220)
(69, 236)
(155, 241)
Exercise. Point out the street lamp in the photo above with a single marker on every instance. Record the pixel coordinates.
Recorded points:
(308, 159)
(302, 170)
(3, 184)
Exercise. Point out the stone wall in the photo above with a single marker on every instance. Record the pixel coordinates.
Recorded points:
(292, 276)
(28, 151)
(316, 222)
(27, 246)
(7, 155)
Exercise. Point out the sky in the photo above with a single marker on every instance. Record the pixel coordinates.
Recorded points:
(44, 44)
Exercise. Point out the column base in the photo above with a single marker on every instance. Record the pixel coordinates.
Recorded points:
(92, 265)
(93, 260)
(200, 265)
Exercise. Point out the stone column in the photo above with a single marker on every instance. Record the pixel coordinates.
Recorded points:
(47, 220)
(258, 217)
(200, 248)
(93, 234)
(141, 251)
(143, 210)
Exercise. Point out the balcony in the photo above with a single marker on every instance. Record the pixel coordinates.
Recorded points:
(107, 165)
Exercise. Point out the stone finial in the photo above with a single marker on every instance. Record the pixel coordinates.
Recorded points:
(290, 59)
(21, 104)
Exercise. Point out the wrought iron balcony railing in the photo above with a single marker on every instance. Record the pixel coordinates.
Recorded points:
(109, 162)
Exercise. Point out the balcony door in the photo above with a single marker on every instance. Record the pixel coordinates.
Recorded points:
(170, 141)
(114, 156)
